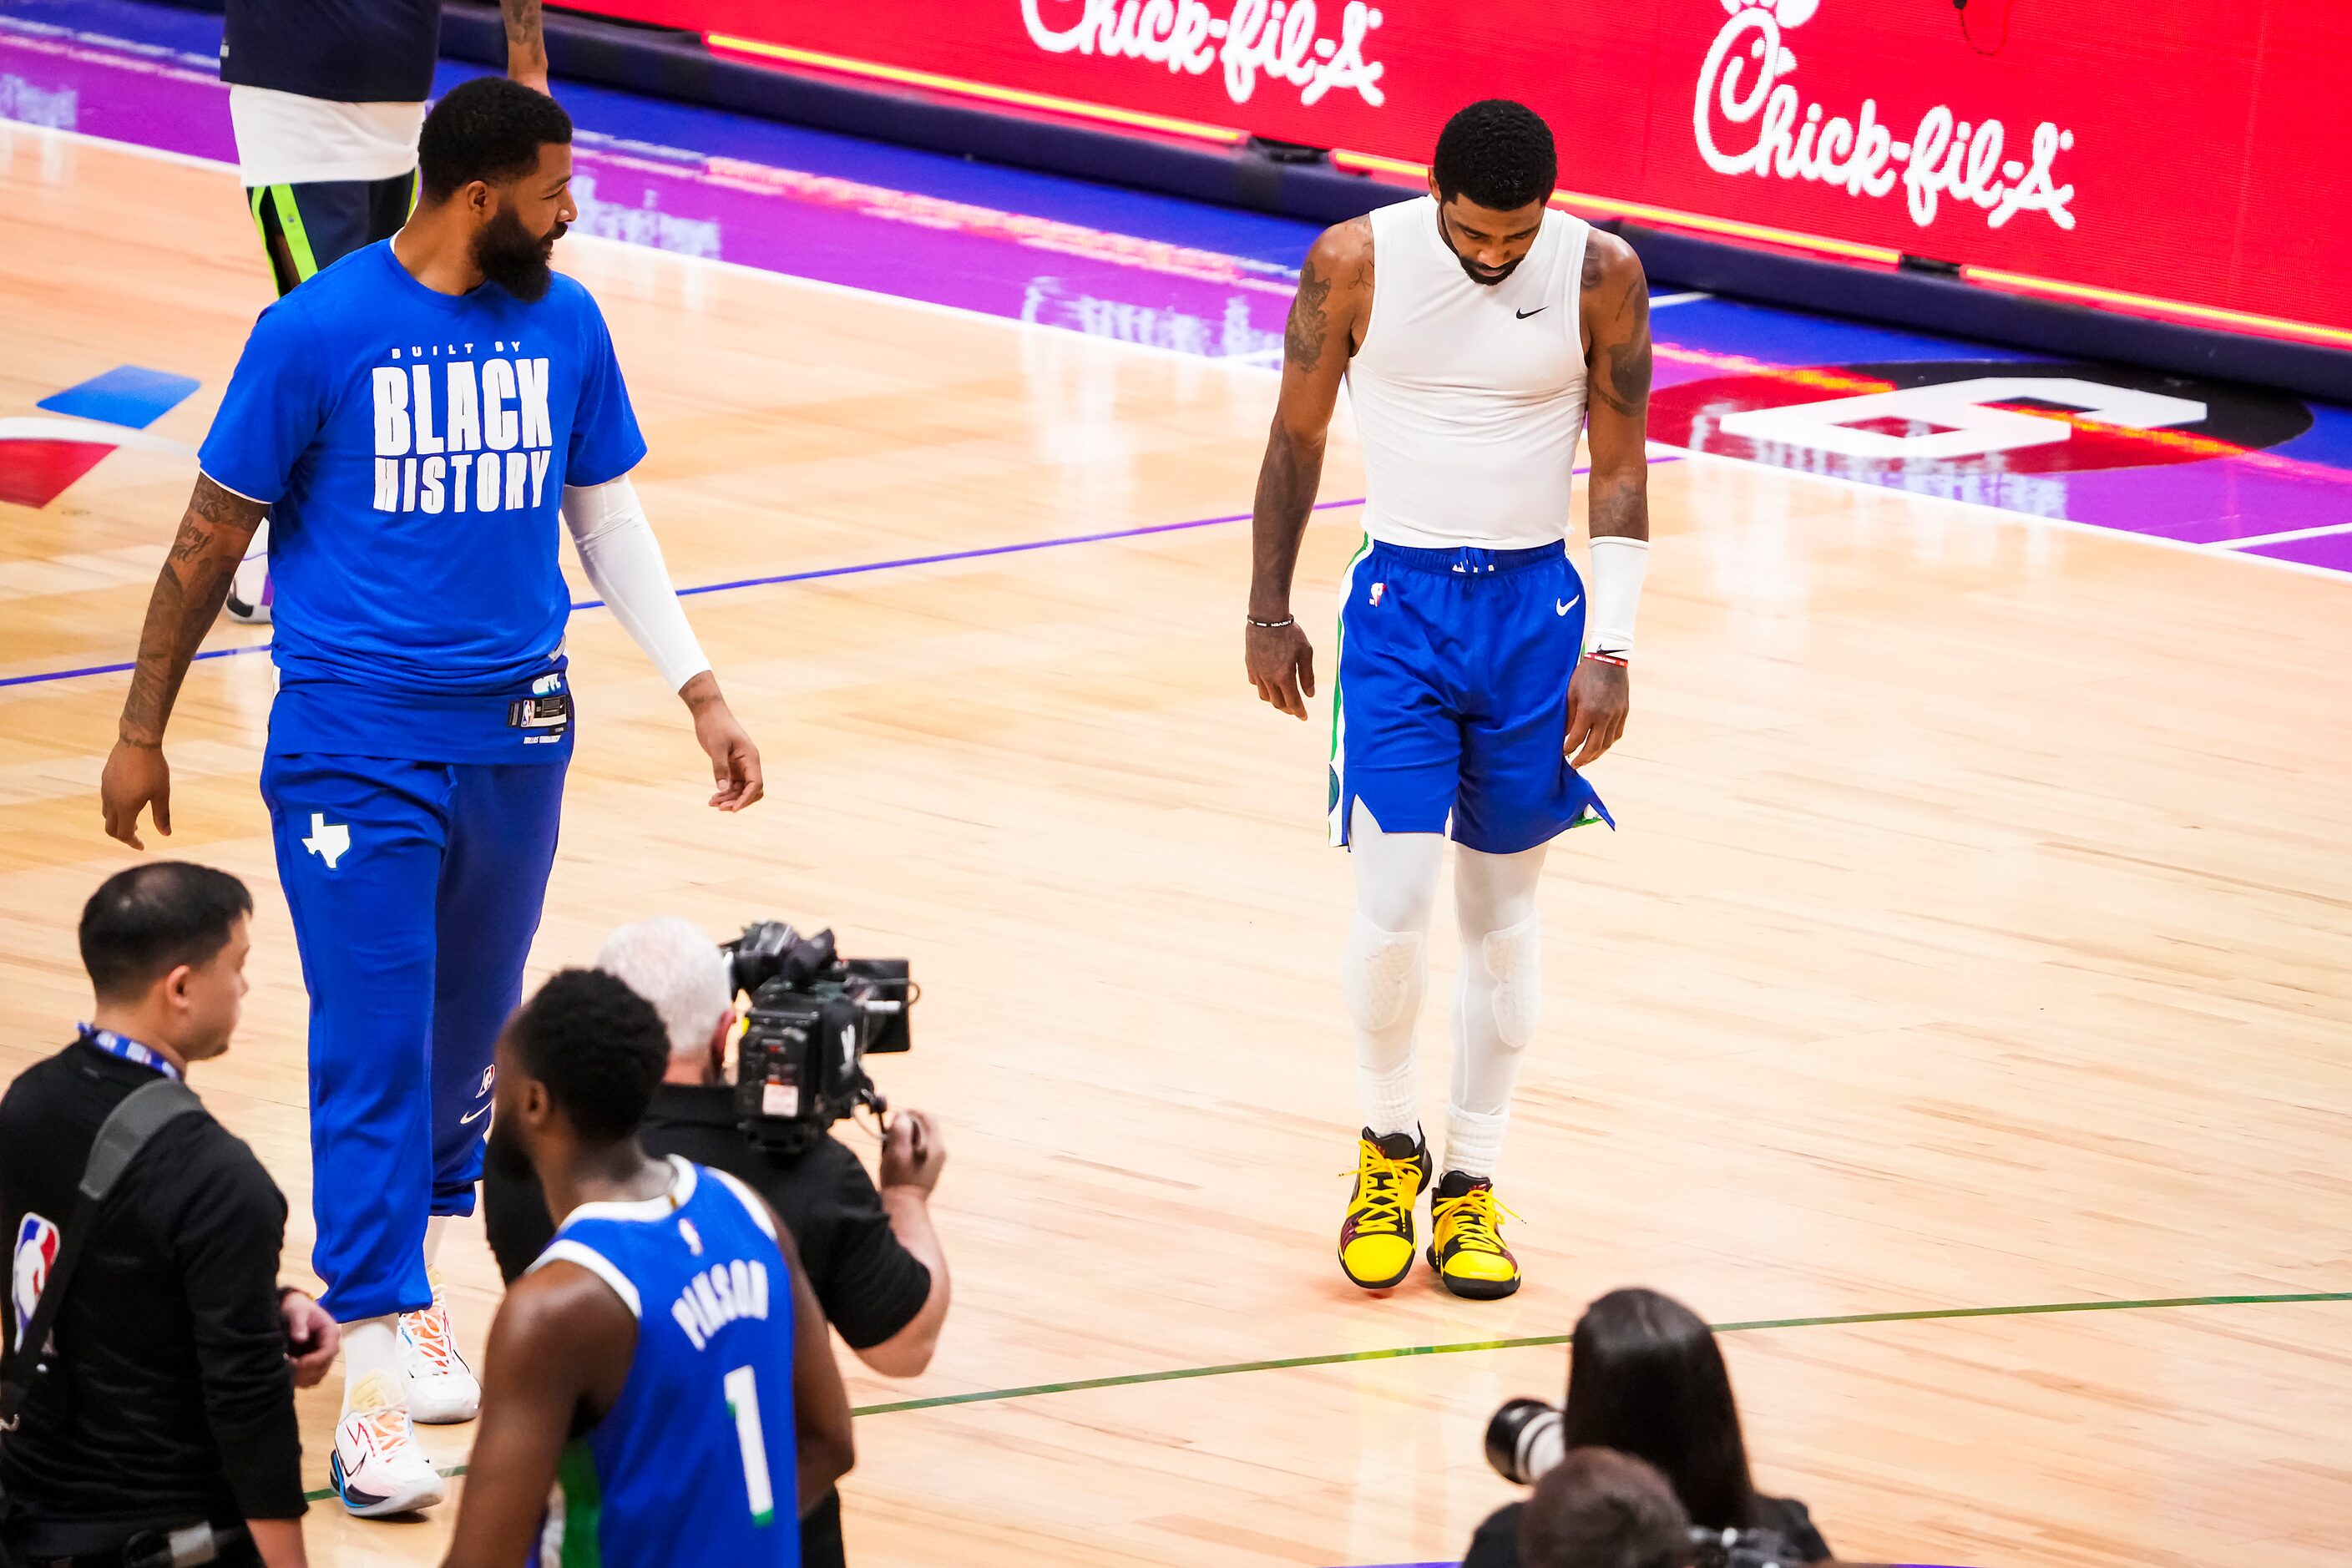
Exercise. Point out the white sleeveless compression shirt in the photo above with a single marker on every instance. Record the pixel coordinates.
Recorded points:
(1469, 398)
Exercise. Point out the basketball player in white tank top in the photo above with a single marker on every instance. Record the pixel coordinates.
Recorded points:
(1479, 332)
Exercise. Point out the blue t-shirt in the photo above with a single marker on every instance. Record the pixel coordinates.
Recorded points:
(413, 448)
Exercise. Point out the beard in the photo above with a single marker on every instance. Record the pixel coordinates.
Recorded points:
(506, 1156)
(1480, 275)
(516, 259)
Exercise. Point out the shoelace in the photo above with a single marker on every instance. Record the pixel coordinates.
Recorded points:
(1468, 1221)
(388, 1429)
(429, 1332)
(1380, 1211)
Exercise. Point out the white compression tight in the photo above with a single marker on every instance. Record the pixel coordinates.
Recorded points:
(1496, 1003)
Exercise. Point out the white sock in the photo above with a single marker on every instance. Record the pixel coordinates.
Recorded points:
(1386, 968)
(372, 1346)
(433, 1229)
(1474, 1143)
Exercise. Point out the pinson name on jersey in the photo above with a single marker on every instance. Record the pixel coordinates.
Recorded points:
(718, 1296)
(453, 434)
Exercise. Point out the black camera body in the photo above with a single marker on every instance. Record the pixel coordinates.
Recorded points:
(1526, 1437)
(813, 1015)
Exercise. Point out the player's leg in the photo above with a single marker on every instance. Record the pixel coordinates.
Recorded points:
(1517, 794)
(360, 846)
(303, 228)
(1395, 752)
(503, 823)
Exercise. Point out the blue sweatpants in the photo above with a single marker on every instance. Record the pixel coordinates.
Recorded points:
(416, 890)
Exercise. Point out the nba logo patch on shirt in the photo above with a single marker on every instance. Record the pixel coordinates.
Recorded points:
(36, 1252)
(1378, 589)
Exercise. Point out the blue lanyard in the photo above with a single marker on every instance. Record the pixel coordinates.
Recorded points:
(115, 1044)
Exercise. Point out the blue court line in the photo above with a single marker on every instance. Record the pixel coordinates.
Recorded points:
(43, 677)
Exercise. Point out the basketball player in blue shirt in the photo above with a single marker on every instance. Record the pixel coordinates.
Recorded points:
(415, 418)
(1479, 332)
(662, 1392)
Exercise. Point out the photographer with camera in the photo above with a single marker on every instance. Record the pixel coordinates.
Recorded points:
(1646, 1378)
(148, 1401)
(872, 1257)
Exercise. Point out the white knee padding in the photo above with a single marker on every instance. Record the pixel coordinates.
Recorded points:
(1383, 973)
(1515, 958)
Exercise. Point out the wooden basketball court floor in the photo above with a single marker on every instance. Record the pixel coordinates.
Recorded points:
(1963, 1010)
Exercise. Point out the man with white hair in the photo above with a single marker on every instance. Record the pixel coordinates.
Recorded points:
(871, 1255)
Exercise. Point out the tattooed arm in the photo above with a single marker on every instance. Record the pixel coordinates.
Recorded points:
(526, 48)
(1616, 314)
(1326, 323)
(214, 532)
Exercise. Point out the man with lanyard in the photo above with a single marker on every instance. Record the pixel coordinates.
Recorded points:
(325, 98)
(168, 1400)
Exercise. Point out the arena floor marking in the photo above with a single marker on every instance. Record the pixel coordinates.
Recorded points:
(2232, 549)
(813, 574)
(1539, 1341)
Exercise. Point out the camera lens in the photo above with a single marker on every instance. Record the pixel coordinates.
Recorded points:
(1524, 1440)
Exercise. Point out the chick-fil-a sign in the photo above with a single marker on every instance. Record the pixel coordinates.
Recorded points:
(1755, 127)
(2174, 150)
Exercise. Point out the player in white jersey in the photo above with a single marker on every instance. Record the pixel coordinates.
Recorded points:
(1478, 671)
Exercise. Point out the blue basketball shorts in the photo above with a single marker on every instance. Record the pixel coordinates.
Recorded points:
(1453, 698)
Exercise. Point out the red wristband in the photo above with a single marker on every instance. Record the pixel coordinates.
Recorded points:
(1617, 659)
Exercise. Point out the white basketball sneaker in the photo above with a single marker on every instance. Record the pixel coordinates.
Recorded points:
(442, 1389)
(378, 1465)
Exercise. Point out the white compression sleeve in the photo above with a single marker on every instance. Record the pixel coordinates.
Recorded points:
(624, 561)
(1387, 965)
(1619, 565)
(1497, 1002)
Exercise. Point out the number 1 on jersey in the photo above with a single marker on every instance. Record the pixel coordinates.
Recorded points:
(743, 1403)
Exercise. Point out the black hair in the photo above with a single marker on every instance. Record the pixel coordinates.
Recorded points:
(1498, 154)
(598, 1046)
(143, 924)
(1600, 1509)
(1645, 1377)
(489, 128)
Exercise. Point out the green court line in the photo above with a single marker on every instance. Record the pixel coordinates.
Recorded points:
(1538, 1342)
(1342, 1358)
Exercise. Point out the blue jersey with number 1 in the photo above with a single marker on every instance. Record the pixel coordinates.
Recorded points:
(695, 1464)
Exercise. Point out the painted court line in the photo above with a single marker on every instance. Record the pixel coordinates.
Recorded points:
(1247, 364)
(1343, 1358)
(2321, 531)
(979, 552)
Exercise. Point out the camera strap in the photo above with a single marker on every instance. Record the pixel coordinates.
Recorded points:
(143, 1112)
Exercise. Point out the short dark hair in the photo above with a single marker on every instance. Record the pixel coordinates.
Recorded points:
(488, 129)
(1646, 1377)
(1498, 154)
(598, 1046)
(1600, 1508)
(143, 924)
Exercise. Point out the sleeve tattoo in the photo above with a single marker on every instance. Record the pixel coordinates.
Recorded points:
(1302, 340)
(1620, 348)
(189, 590)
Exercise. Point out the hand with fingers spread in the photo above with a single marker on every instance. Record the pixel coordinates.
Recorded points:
(1281, 662)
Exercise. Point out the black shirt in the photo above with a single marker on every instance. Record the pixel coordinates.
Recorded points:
(346, 51)
(170, 1395)
(869, 1284)
(1496, 1544)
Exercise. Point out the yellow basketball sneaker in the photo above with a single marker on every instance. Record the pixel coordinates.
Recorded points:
(1465, 1242)
(1376, 1239)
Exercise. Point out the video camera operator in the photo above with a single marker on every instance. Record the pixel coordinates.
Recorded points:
(153, 1357)
(1646, 1378)
(871, 1255)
